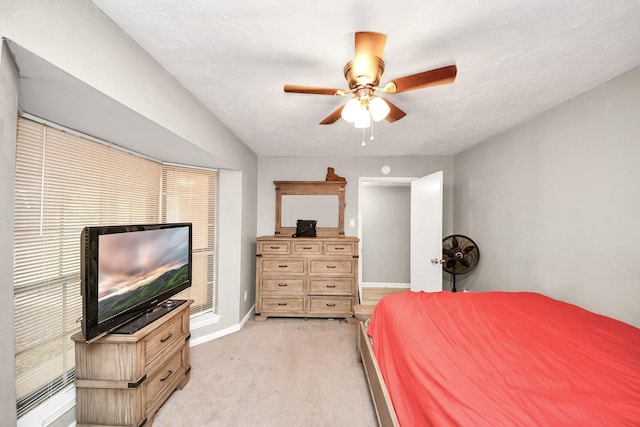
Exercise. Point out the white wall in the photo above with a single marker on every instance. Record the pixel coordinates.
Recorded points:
(8, 123)
(351, 168)
(74, 36)
(553, 204)
(386, 231)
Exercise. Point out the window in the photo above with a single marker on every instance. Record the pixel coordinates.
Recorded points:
(189, 195)
(65, 182)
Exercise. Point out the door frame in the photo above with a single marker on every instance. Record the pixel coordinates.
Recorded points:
(380, 181)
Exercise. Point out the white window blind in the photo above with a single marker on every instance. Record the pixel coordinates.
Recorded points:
(189, 195)
(63, 183)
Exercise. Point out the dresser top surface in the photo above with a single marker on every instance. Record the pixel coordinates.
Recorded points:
(319, 238)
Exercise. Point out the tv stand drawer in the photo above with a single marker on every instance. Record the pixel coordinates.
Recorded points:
(163, 338)
(165, 379)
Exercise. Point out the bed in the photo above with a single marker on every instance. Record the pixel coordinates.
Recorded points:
(498, 359)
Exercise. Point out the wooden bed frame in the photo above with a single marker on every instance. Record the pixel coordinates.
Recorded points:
(379, 394)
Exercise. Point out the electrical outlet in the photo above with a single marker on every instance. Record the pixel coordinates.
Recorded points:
(352, 222)
(245, 294)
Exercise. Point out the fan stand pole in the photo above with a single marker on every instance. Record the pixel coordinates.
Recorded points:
(453, 288)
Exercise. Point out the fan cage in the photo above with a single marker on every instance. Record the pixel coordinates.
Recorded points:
(460, 255)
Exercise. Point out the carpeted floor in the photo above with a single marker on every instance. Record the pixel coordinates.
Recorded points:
(280, 373)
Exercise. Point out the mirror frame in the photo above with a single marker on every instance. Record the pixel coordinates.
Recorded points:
(309, 188)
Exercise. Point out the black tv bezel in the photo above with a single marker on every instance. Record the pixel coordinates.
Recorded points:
(91, 328)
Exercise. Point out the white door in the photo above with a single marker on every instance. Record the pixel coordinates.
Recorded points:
(426, 233)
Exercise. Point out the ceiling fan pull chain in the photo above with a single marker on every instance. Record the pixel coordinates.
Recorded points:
(363, 143)
(371, 138)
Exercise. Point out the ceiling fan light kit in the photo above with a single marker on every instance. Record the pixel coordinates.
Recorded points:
(362, 111)
(363, 74)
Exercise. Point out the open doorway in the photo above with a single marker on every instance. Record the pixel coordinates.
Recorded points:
(400, 231)
(384, 213)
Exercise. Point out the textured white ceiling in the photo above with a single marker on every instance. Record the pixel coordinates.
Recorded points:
(515, 60)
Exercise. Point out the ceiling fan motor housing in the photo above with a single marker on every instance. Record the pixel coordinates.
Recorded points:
(364, 71)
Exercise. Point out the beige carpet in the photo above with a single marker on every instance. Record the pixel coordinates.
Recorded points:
(282, 372)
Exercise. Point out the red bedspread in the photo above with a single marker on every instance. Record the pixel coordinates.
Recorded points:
(505, 359)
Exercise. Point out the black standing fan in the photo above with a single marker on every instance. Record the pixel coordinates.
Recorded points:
(460, 255)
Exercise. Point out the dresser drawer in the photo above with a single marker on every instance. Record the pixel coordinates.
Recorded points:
(283, 305)
(306, 247)
(162, 338)
(274, 247)
(328, 305)
(331, 266)
(282, 265)
(283, 285)
(338, 248)
(331, 287)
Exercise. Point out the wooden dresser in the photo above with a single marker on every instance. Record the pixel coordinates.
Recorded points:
(123, 379)
(306, 277)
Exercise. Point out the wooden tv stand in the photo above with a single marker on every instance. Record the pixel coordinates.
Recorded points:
(123, 379)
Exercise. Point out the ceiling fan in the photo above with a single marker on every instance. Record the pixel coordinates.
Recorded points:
(363, 75)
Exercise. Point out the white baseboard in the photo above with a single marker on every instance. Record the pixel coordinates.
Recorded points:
(219, 334)
(385, 285)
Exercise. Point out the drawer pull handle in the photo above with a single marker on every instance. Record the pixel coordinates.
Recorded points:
(283, 284)
(331, 286)
(275, 247)
(330, 305)
(167, 376)
(338, 248)
(169, 335)
(282, 304)
(331, 266)
(307, 247)
(283, 266)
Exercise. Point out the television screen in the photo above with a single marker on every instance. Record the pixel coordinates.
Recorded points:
(128, 270)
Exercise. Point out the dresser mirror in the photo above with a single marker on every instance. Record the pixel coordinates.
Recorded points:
(323, 201)
(320, 207)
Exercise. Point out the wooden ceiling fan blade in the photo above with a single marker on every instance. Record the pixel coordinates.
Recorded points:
(333, 117)
(439, 76)
(369, 43)
(314, 90)
(394, 113)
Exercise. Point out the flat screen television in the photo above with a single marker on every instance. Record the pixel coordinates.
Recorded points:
(130, 270)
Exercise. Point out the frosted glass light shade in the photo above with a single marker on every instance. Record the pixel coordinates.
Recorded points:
(351, 110)
(379, 109)
(364, 119)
